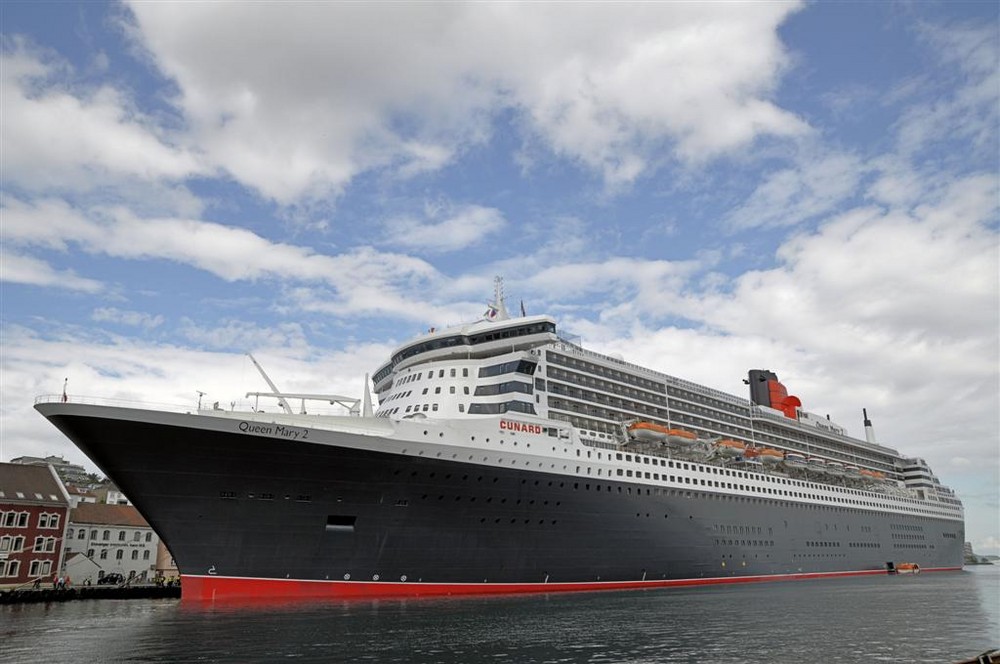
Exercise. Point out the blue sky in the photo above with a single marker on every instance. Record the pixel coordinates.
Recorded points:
(703, 188)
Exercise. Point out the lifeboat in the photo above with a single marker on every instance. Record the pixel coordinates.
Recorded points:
(852, 471)
(834, 467)
(648, 431)
(872, 475)
(681, 437)
(770, 455)
(816, 464)
(730, 448)
(794, 460)
(907, 568)
(651, 432)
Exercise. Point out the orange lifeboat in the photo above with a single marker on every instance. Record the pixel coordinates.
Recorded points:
(907, 568)
(648, 431)
(681, 437)
(730, 448)
(770, 455)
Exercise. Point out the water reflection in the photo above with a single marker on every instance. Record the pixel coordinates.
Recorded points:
(925, 618)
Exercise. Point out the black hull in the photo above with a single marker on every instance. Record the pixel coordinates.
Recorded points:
(245, 506)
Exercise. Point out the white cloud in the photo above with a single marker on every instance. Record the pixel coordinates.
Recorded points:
(364, 280)
(814, 186)
(20, 269)
(239, 335)
(123, 317)
(606, 87)
(446, 227)
(969, 111)
(56, 137)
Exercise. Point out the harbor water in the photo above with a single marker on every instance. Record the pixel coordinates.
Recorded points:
(930, 617)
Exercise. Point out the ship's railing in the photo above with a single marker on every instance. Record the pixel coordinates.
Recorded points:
(119, 403)
(207, 406)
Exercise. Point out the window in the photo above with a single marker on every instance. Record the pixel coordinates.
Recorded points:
(104, 554)
(120, 554)
(93, 534)
(106, 536)
(121, 535)
(90, 553)
(137, 536)
(149, 537)
(135, 554)
(22, 520)
(6, 543)
(145, 554)
(80, 534)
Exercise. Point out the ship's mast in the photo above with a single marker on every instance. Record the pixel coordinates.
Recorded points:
(497, 309)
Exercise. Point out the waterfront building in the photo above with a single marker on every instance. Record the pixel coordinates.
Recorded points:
(116, 537)
(34, 506)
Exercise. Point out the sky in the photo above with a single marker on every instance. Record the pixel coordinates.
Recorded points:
(702, 188)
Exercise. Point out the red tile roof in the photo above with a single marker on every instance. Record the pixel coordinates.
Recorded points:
(108, 515)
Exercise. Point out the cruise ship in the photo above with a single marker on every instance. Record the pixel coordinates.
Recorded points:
(503, 457)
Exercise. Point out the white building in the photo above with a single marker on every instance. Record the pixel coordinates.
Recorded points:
(116, 538)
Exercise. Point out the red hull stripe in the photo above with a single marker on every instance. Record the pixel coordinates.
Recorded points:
(198, 587)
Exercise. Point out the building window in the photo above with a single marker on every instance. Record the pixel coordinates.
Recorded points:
(149, 537)
(120, 554)
(22, 520)
(6, 543)
(80, 534)
(145, 554)
(135, 554)
(137, 536)
(106, 536)
(90, 553)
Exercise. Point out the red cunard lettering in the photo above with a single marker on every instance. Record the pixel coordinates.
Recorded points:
(511, 425)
